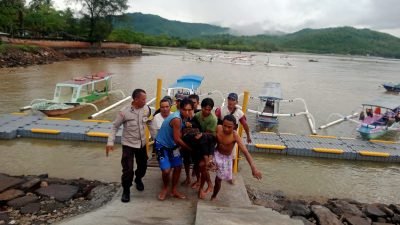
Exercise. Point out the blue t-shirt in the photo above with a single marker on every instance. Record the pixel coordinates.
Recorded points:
(165, 135)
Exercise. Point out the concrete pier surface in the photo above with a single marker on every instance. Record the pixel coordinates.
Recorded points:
(233, 207)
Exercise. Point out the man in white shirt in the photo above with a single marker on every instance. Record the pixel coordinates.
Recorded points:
(158, 119)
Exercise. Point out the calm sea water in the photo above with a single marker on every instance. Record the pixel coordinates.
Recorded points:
(334, 84)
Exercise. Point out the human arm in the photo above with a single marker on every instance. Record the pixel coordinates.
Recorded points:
(256, 173)
(246, 128)
(111, 137)
(176, 126)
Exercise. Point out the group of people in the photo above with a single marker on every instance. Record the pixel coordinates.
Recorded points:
(183, 135)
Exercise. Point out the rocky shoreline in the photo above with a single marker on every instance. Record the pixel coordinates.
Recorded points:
(41, 200)
(16, 57)
(23, 56)
(328, 211)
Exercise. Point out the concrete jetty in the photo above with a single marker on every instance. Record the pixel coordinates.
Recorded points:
(233, 207)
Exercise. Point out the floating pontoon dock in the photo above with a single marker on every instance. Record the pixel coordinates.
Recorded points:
(22, 125)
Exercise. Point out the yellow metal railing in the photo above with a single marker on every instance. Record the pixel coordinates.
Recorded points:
(244, 109)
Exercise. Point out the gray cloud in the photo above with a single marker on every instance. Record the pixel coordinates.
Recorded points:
(258, 16)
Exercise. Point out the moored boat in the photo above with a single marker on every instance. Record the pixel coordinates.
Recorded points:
(374, 122)
(391, 87)
(75, 94)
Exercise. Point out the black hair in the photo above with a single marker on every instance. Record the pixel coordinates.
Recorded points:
(165, 100)
(194, 96)
(186, 101)
(137, 92)
(207, 102)
(231, 118)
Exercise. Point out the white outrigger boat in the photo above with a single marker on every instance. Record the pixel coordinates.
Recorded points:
(270, 95)
(185, 85)
(373, 123)
(284, 65)
(268, 110)
(75, 94)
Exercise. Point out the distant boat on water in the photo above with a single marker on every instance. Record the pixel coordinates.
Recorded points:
(392, 87)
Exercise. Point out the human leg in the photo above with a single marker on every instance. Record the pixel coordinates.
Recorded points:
(203, 175)
(127, 172)
(176, 164)
(165, 177)
(217, 187)
(141, 162)
(186, 162)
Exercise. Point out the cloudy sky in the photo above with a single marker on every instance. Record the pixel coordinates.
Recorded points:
(258, 16)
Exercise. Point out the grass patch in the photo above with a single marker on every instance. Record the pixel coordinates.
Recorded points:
(26, 48)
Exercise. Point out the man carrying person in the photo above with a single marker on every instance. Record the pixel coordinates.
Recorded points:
(134, 118)
(226, 140)
(166, 144)
(205, 150)
(187, 155)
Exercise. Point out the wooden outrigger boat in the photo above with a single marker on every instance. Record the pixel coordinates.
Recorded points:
(270, 95)
(185, 85)
(75, 94)
(373, 122)
(391, 87)
(269, 111)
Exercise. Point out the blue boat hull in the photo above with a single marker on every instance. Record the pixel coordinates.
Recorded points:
(267, 122)
(371, 133)
(392, 87)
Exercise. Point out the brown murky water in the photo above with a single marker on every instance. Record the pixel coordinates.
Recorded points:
(334, 84)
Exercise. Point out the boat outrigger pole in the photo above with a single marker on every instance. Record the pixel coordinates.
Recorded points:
(344, 118)
(115, 105)
(309, 116)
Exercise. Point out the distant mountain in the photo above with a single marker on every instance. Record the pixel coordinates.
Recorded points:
(341, 40)
(156, 25)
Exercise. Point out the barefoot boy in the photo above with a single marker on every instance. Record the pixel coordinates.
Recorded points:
(226, 139)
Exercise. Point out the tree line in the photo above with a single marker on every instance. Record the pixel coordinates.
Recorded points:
(40, 19)
(98, 21)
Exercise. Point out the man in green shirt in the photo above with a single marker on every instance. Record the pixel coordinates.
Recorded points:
(208, 126)
(207, 120)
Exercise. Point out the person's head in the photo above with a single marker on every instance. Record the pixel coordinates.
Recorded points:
(232, 100)
(139, 98)
(178, 98)
(206, 106)
(168, 98)
(186, 107)
(165, 107)
(228, 124)
(195, 99)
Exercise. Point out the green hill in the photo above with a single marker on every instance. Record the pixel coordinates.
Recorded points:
(156, 25)
(341, 40)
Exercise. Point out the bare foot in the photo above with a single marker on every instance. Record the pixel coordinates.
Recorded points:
(213, 199)
(186, 182)
(196, 185)
(231, 182)
(178, 195)
(162, 195)
(210, 188)
(202, 194)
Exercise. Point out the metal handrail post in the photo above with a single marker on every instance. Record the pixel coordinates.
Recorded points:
(244, 108)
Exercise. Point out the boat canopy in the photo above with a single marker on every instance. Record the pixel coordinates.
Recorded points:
(271, 90)
(387, 102)
(192, 82)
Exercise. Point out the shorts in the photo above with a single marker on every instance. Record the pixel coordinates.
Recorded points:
(167, 157)
(224, 164)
